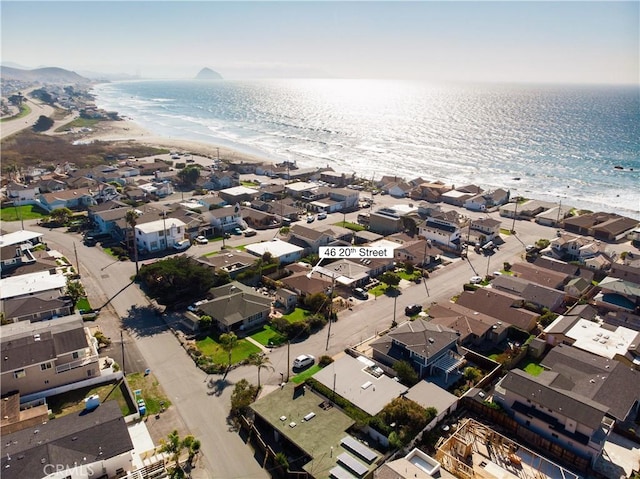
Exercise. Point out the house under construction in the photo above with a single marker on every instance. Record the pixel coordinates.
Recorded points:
(477, 451)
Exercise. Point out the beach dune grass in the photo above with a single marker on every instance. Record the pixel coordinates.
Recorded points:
(211, 347)
(24, 212)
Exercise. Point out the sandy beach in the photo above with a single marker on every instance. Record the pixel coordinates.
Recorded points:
(127, 130)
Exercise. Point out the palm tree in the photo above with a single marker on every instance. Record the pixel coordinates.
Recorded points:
(131, 218)
(261, 361)
(228, 341)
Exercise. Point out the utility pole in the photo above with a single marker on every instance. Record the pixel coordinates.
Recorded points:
(164, 224)
(288, 358)
(124, 371)
(515, 214)
(333, 285)
(75, 251)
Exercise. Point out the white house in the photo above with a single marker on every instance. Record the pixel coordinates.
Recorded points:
(281, 250)
(159, 234)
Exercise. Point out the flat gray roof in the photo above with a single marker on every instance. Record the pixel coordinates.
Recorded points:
(427, 395)
(355, 384)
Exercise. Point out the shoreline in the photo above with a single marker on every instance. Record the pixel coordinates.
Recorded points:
(127, 130)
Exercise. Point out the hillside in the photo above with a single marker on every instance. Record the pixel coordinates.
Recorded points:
(208, 74)
(48, 75)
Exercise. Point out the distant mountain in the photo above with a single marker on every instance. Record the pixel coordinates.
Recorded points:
(208, 74)
(43, 75)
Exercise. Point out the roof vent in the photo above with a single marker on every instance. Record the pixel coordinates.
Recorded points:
(431, 340)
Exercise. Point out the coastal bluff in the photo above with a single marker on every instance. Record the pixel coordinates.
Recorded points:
(208, 74)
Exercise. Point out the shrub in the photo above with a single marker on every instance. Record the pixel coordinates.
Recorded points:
(325, 360)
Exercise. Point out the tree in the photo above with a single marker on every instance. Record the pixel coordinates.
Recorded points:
(75, 291)
(316, 302)
(242, 396)
(205, 322)
(471, 374)
(390, 278)
(131, 217)
(16, 99)
(174, 446)
(408, 418)
(43, 123)
(189, 175)
(61, 216)
(228, 341)
(406, 373)
(261, 361)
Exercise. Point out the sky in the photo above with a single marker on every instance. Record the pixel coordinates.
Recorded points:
(555, 42)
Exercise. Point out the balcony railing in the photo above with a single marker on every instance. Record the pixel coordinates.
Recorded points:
(78, 363)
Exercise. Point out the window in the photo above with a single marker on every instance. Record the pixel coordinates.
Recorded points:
(19, 374)
(45, 366)
(553, 434)
(161, 233)
(75, 355)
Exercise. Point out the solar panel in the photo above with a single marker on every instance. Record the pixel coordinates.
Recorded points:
(352, 464)
(358, 448)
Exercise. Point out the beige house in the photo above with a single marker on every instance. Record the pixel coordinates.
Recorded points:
(47, 354)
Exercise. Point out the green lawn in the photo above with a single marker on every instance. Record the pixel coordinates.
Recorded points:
(73, 401)
(83, 304)
(532, 367)
(210, 347)
(351, 226)
(378, 290)
(25, 212)
(267, 335)
(409, 277)
(297, 315)
(298, 378)
(152, 393)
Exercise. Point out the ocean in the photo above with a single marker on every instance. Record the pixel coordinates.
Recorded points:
(579, 145)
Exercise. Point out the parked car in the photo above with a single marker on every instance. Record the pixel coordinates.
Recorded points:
(310, 218)
(237, 231)
(322, 215)
(202, 240)
(412, 310)
(182, 245)
(475, 280)
(250, 232)
(360, 293)
(303, 361)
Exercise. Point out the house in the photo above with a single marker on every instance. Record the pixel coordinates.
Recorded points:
(568, 247)
(286, 299)
(47, 354)
(603, 226)
(506, 308)
(577, 287)
(431, 192)
(476, 203)
(540, 296)
(345, 199)
(431, 349)
(618, 292)
(220, 180)
(299, 189)
(373, 391)
(238, 194)
(415, 465)
(488, 228)
(541, 276)
(78, 199)
(386, 220)
(22, 194)
(571, 269)
(457, 197)
(231, 261)
(309, 239)
(89, 443)
(442, 228)
(554, 216)
(629, 270)
(477, 330)
(32, 283)
(279, 250)
(338, 179)
(398, 189)
(236, 307)
(497, 197)
(416, 251)
(13, 256)
(271, 192)
(543, 405)
(352, 273)
(39, 307)
(302, 284)
(105, 221)
(603, 380)
(160, 234)
(527, 210)
(223, 219)
(259, 219)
